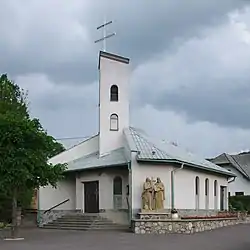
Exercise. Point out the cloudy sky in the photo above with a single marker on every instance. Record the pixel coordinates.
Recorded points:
(190, 61)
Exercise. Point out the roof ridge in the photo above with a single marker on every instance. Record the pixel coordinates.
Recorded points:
(152, 144)
(240, 167)
(79, 143)
(168, 152)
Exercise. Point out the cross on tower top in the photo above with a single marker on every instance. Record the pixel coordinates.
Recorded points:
(105, 36)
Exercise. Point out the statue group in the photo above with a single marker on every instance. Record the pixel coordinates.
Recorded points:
(153, 195)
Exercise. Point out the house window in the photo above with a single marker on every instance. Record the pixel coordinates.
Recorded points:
(114, 93)
(239, 193)
(114, 126)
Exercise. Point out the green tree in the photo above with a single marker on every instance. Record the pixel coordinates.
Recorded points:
(25, 148)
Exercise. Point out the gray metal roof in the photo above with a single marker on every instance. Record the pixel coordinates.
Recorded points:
(115, 157)
(149, 150)
(241, 162)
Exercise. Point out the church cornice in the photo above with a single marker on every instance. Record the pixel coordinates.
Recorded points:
(113, 57)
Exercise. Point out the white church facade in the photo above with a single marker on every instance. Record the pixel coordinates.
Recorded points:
(106, 172)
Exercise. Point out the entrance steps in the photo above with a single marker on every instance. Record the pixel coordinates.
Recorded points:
(85, 222)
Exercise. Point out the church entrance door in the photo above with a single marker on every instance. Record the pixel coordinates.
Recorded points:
(91, 197)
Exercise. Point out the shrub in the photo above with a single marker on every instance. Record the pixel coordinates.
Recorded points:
(240, 203)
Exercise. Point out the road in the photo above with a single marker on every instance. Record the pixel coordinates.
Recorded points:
(230, 238)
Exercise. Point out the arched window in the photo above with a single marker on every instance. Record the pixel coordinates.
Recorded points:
(197, 185)
(117, 186)
(215, 187)
(197, 192)
(206, 187)
(117, 192)
(207, 193)
(114, 123)
(215, 194)
(114, 93)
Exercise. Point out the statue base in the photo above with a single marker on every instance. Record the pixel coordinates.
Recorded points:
(147, 211)
(154, 215)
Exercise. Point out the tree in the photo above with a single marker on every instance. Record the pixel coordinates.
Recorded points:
(25, 148)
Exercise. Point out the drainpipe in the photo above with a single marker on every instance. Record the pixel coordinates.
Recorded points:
(172, 184)
(130, 192)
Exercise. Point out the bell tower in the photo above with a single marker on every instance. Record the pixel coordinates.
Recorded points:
(114, 76)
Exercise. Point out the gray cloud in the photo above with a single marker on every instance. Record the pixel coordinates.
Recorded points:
(226, 107)
(57, 40)
(191, 66)
(206, 79)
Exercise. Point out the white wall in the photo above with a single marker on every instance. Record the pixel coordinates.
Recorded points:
(185, 189)
(85, 148)
(184, 185)
(49, 196)
(139, 174)
(118, 73)
(241, 184)
(105, 178)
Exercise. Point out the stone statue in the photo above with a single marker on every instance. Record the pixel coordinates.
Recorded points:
(147, 195)
(159, 195)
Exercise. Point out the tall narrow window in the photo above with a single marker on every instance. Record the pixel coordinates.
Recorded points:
(117, 185)
(197, 192)
(114, 93)
(207, 194)
(114, 123)
(215, 195)
(117, 192)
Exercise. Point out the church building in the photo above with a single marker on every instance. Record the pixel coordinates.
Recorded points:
(106, 172)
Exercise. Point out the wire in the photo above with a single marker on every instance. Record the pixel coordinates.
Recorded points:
(72, 138)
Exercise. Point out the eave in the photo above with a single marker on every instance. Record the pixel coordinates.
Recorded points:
(186, 163)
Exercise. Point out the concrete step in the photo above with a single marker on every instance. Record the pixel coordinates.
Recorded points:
(110, 228)
(80, 219)
(83, 222)
(85, 226)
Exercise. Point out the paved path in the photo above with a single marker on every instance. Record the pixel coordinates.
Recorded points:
(230, 238)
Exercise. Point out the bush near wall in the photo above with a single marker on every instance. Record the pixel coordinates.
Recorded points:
(24, 201)
(240, 203)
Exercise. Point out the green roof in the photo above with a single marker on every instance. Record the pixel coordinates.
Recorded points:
(114, 158)
(146, 149)
(149, 150)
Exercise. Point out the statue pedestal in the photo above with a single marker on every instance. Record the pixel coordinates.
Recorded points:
(154, 215)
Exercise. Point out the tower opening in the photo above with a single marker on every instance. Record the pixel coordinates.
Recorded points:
(114, 126)
(114, 93)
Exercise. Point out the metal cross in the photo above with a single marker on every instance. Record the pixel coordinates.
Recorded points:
(105, 36)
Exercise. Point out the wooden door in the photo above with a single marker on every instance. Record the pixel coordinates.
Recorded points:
(91, 197)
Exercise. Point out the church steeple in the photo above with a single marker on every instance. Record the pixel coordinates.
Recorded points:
(114, 76)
